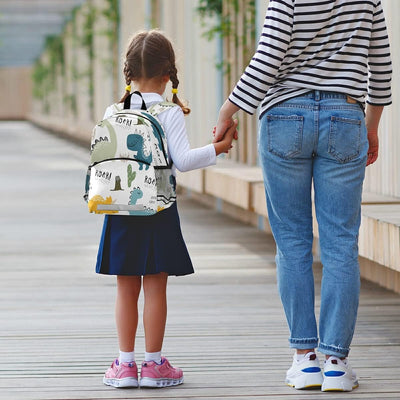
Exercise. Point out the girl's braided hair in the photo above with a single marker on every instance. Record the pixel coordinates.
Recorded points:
(149, 55)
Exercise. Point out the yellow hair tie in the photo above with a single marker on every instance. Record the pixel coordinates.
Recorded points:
(174, 91)
(128, 88)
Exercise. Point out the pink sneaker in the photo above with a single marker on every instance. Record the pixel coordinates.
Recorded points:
(121, 375)
(160, 375)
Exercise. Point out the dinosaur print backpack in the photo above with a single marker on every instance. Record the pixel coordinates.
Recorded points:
(130, 172)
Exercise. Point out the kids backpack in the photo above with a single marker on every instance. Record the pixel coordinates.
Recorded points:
(130, 172)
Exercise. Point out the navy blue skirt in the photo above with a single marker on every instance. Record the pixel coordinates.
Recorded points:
(138, 246)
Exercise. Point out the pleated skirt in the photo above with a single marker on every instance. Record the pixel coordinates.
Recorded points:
(136, 245)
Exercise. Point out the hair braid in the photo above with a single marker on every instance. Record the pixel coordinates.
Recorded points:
(127, 73)
(173, 76)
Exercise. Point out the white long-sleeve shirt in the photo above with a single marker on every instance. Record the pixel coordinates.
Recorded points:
(183, 157)
(329, 45)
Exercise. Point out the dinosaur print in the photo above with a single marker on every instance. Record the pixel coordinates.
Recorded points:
(136, 142)
(137, 194)
(104, 148)
(96, 200)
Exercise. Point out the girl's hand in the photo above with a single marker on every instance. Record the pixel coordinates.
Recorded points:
(373, 147)
(225, 144)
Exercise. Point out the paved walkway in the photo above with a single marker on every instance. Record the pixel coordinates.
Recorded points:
(225, 328)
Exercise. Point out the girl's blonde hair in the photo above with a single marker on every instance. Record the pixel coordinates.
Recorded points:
(149, 55)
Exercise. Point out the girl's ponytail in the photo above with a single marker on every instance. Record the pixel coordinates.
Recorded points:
(127, 81)
(175, 82)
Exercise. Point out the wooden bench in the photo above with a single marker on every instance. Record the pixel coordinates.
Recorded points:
(233, 183)
(379, 244)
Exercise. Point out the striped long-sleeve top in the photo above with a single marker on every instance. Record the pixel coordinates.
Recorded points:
(330, 45)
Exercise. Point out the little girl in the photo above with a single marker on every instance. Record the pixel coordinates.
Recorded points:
(145, 250)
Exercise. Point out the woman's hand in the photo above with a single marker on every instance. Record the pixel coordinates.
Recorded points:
(373, 149)
(225, 121)
(372, 118)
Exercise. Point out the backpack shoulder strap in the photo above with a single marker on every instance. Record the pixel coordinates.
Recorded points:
(116, 107)
(158, 108)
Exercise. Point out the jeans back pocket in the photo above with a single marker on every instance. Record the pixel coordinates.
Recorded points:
(344, 138)
(285, 135)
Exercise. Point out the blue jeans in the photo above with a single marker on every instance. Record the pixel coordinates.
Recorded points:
(316, 139)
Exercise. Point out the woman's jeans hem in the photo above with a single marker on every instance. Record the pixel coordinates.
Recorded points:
(333, 350)
(303, 344)
(312, 343)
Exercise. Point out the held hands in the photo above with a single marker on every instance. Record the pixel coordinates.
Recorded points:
(228, 133)
(221, 128)
(225, 121)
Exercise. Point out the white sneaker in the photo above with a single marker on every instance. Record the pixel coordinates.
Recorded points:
(306, 373)
(338, 376)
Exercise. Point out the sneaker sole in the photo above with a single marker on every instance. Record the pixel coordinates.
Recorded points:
(160, 382)
(306, 381)
(121, 383)
(338, 385)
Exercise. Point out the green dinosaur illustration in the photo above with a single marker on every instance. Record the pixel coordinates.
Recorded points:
(136, 194)
(104, 149)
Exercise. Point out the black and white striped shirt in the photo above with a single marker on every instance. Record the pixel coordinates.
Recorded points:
(330, 45)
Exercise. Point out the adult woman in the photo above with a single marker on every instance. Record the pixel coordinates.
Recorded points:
(316, 65)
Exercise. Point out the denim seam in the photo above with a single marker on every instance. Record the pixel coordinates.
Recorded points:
(338, 107)
(303, 341)
(316, 129)
(340, 350)
(306, 107)
(341, 107)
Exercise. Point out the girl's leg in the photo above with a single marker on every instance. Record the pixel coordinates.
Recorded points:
(156, 370)
(155, 310)
(126, 310)
(124, 373)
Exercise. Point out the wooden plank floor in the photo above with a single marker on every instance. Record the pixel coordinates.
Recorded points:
(225, 328)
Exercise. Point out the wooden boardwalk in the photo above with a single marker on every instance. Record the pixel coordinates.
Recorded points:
(225, 328)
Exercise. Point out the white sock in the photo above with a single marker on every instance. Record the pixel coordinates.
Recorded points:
(301, 356)
(126, 356)
(156, 357)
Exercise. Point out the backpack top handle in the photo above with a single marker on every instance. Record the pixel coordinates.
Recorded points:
(127, 102)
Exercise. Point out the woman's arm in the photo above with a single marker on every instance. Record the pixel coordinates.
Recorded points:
(263, 69)
(379, 87)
